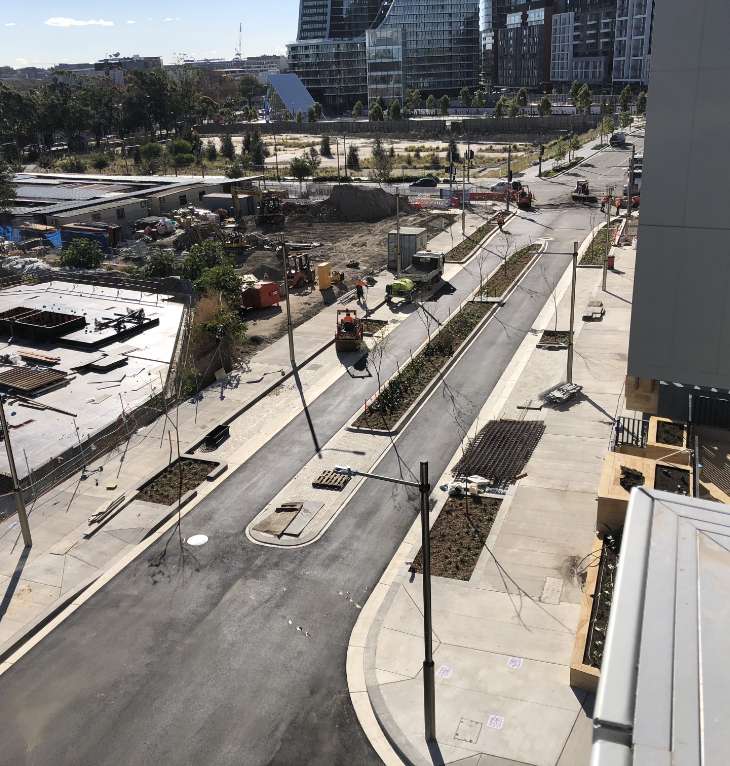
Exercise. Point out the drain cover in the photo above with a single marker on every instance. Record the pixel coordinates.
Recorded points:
(197, 540)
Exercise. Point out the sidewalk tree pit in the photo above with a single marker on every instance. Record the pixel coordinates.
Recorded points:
(458, 536)
(176, 480)
(402, 390)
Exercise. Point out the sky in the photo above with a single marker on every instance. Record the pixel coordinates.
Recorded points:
(48, 32)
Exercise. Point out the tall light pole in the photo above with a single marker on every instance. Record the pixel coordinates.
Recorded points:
(289, 326)
(429, 684)
(630, 187)
(569, 372)
(608, 238)
(19, 501)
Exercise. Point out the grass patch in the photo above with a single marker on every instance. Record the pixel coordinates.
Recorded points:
(562, 168)
(458, 536)
(459, 252)
(596, 251)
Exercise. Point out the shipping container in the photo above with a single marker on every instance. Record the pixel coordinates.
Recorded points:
(412, 239)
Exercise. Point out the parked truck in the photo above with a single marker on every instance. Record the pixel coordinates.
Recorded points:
(425, 269)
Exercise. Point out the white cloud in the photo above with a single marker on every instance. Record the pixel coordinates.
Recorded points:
(64, 22)
(168, 19)
(131, 21)
(11, 24)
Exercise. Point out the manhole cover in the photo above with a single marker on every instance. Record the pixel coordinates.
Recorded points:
(468, 730)
(197, 540)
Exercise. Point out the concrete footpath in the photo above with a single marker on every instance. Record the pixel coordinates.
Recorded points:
(503, 639)
(257, 400)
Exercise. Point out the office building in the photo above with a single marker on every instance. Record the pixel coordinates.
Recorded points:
(369, 48)
(632, 43)
(117, 67)
(428, 45)
(486, 41)
(678, 362)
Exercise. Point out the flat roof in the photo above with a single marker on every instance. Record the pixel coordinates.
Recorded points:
(662, 696)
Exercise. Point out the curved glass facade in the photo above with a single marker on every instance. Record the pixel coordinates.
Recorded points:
(429, 45)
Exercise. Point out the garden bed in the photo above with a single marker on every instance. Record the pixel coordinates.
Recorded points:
(554, 339)
(402, 390)
(458, 536)
(562, 168)
(596, 251)
(671, 479)
(176, 480)
(510, 270)
(602, 599)
(670, 433)
(459, 252)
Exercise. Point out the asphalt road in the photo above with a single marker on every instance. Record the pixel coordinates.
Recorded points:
(195, 656)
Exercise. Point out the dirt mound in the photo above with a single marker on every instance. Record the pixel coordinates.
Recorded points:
(357, 203)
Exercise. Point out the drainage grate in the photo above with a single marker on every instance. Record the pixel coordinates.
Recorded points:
(501, 450)
(330, 480)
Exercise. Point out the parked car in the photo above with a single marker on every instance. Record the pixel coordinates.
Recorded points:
(426, 182)
(618, 139)
(503, 186)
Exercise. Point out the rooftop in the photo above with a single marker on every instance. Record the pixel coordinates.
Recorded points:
(664, 678)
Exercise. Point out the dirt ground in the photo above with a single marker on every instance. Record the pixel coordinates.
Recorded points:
(342, 243)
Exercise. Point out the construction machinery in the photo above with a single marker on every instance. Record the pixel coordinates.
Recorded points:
(582, 192)
(349, 333)
(425, 269)
(270, 212)
(523, 197)
(299, 271)
(400, 288)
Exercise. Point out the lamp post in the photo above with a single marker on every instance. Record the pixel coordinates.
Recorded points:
(429, 687)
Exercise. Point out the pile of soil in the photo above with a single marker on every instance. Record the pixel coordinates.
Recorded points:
(458, 536)
(356, 203)
(175, 481)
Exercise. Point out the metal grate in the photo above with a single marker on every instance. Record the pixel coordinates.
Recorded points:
(631, 431)
(501, 450)
(29, 379)
(330, 480)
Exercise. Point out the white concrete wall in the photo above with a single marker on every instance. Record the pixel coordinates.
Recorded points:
(680, 328)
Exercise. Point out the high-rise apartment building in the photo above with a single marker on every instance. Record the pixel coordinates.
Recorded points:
(632, 41)
(582, 43)
(523, 46)
(363, 49)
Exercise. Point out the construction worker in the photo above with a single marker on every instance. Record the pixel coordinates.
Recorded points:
(359, 289)
(500, 221)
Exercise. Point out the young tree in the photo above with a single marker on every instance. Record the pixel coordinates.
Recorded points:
(625, 119)
(606, 127)
(513, 108)
(454, 151)
(544, 107)
(574, 90)
(312, 114)
(376, 113)
(314, 159)
(82, 254)
(382, 162)
(299, 118)
(560, 151)
(465, 96)
(7, 188)
(353, 158)
(479, 100)
(202, 256)
(625, 98)
(521, 98)
(357, 110)
(573, 146)
(300, 168)
(394, 112)
(317, 109)
(211, 153)
(501, 107)
(222, 280)
(324, 147)
(584, 99)
(161, 263)
(227, 148)
(414, 99)
(444, 103)
(431, 104)
(641, 103)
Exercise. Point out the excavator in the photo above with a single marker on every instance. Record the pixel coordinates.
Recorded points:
(582, 192)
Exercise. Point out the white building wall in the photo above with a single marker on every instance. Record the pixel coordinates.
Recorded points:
(680, 326)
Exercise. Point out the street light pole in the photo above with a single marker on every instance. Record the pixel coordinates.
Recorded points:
(19, 501)
(569, 372)
(289, 326)
(608, 238)
(463, 199)
(429, 684)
